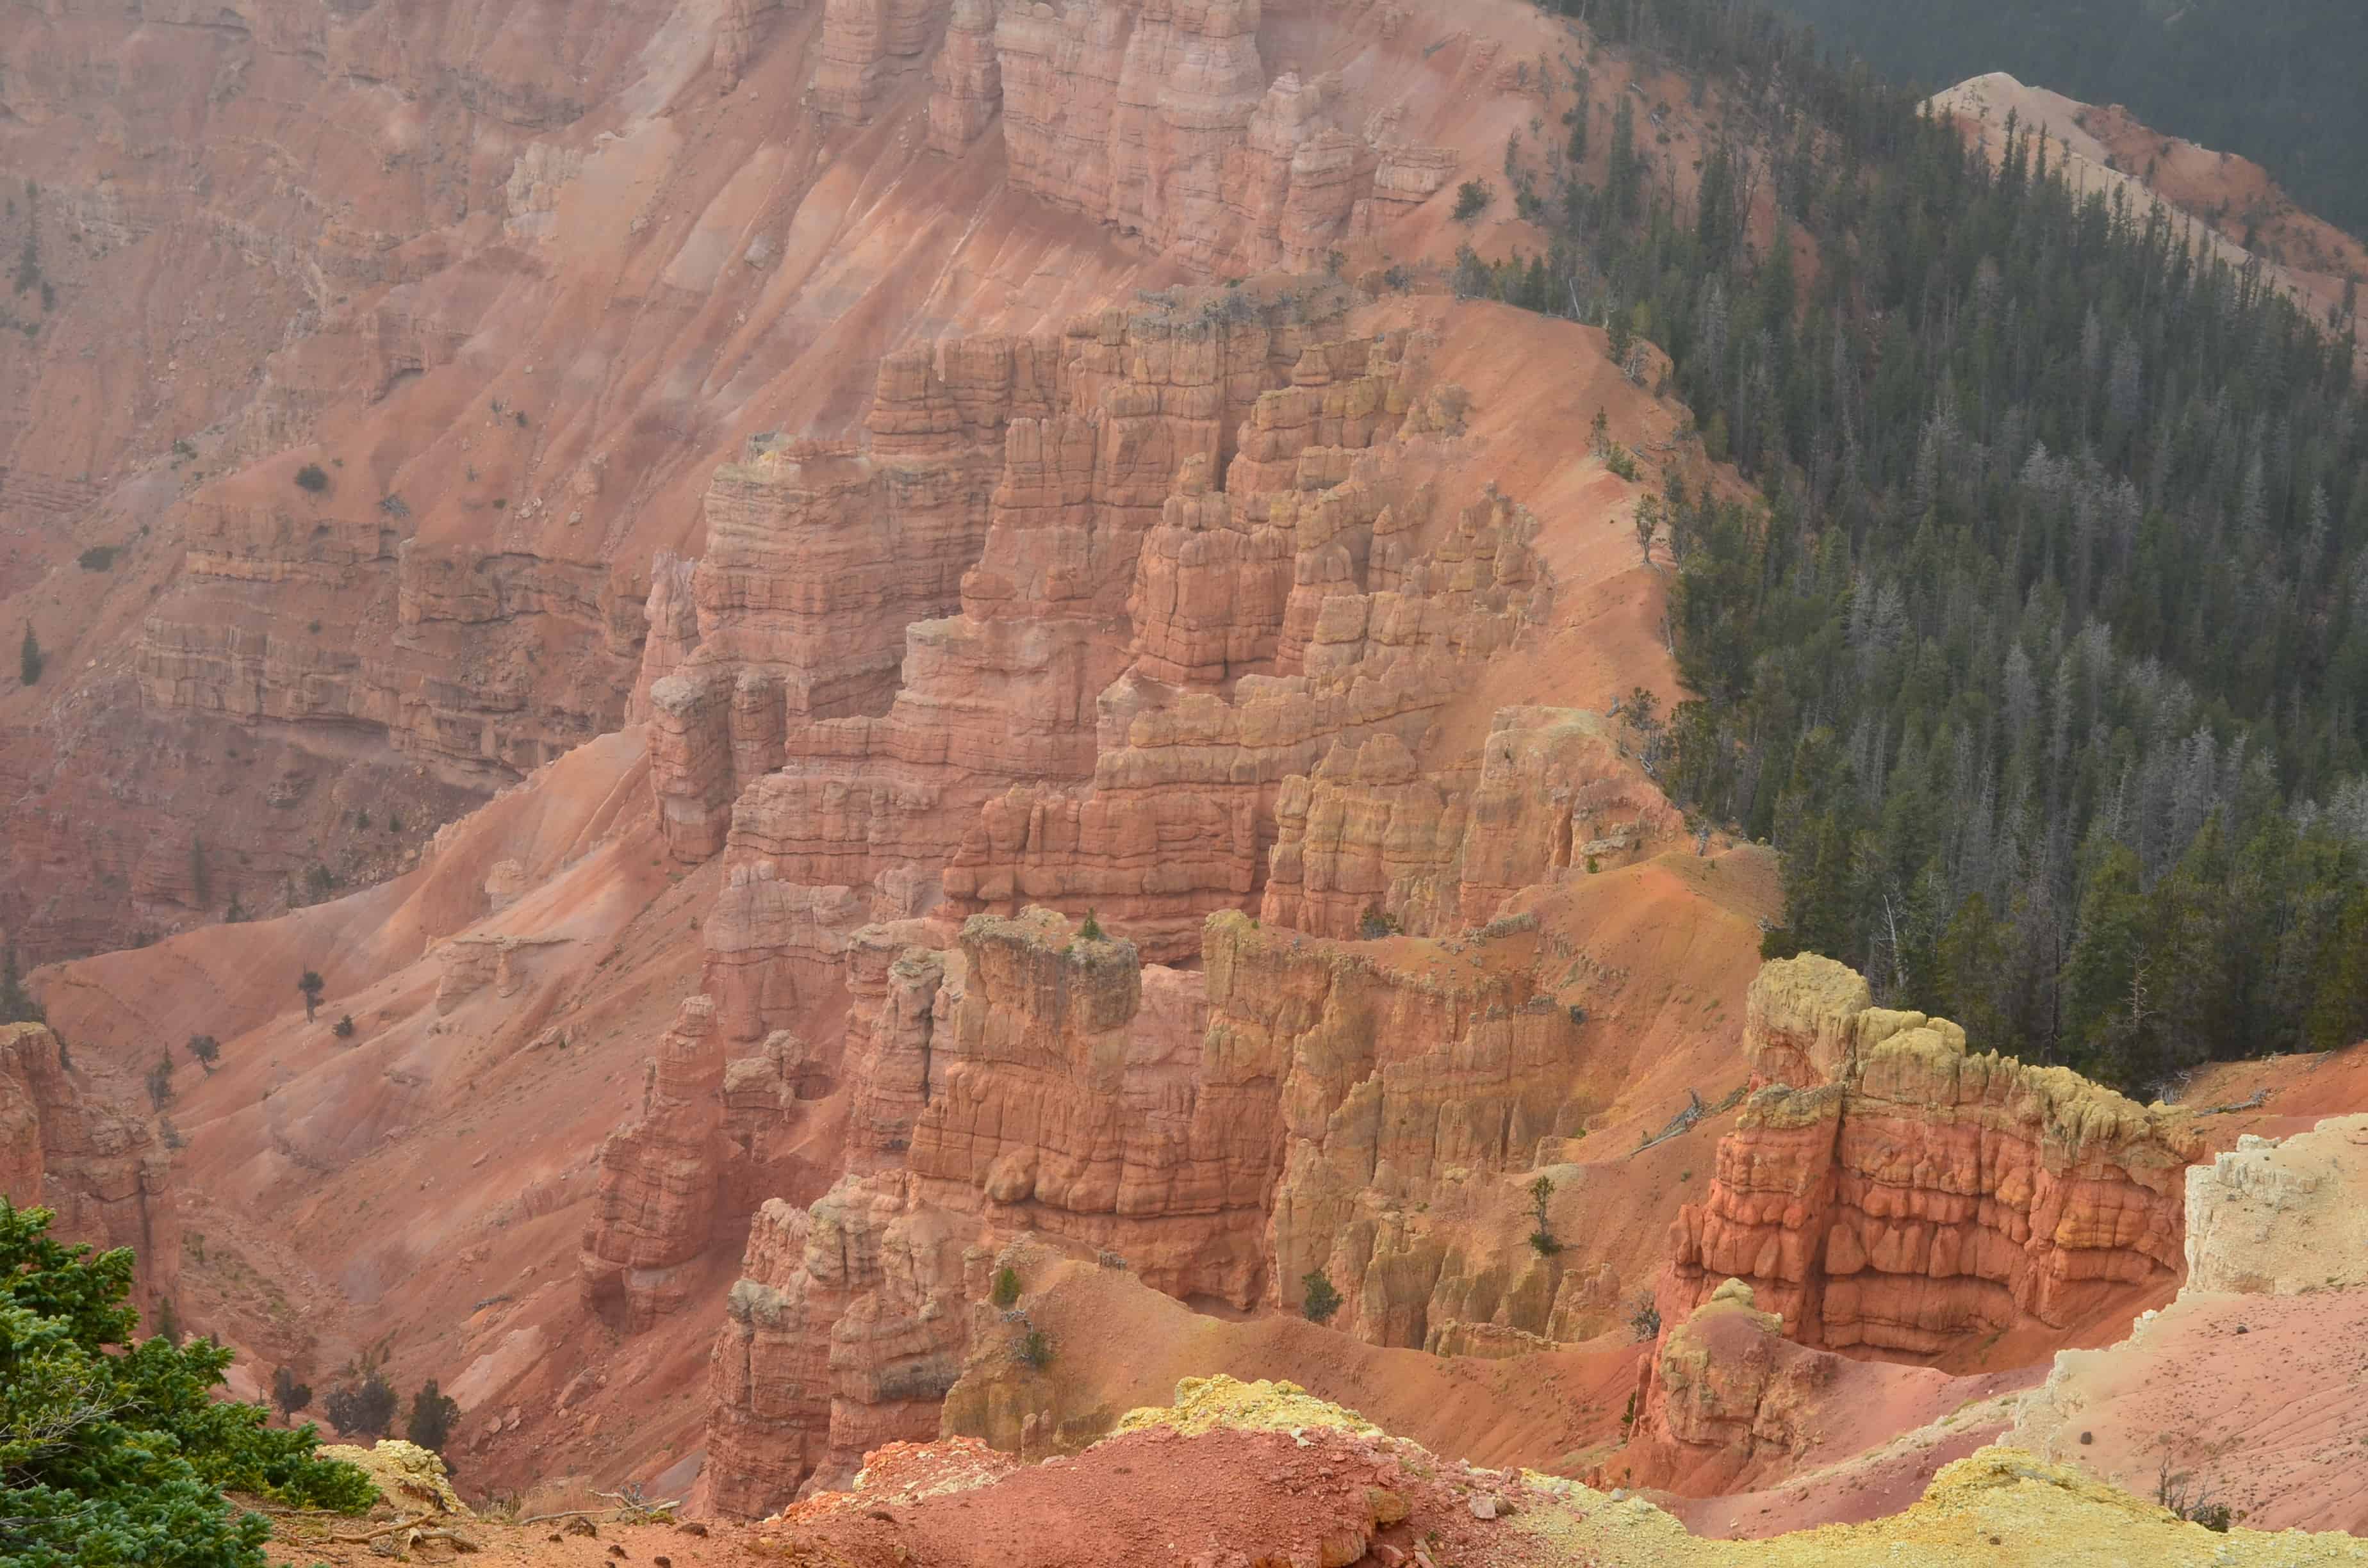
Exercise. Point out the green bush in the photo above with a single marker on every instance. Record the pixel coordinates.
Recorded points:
(1007, 1287)
(122, 1458)
(1035, 1348)
(1472, 199)
(313, 477)
(97, 557)
(1318, 1300)
(364, 1408)
(433, 1416)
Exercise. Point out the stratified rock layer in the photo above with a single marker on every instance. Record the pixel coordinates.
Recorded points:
(1886, 1188)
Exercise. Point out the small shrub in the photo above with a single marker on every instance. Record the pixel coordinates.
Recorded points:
(312, 478)
(1545, 1243)
(1644, 1323)
(1007, 1287)
(364, 1408)
(433, 1416)
(1472, 199)
(311, 983)
(289, 1394)
(1376, 923)
(343, 1028)
(1622, 461)
(1091, 930)
(1034, 1349)
(1319, 1300)
(205, 1050)
(30, 658)
(97, 557)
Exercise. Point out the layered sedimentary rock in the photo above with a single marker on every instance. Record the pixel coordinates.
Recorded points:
(104, 1174)
(819, 557)
(718, 1134)
(1884, 1187)
(864, 43)
(1195, 741)
(1095, 428)
(843, 1332)
(1158, 116)
(2267, 1324)
(1726, 1389)
(659, 1201)
(1368, 842)
(1295, 1108)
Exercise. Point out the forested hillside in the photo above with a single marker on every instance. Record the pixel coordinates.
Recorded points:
(2275, 80)
(2045, 661)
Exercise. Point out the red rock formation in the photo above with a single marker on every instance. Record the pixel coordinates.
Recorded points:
(843, 1332)
(104, 1174)
(1728, 1393)
(1367, 842)
(1888, 1189)
(1181, 818)
(1158, 116)
(716, 1137)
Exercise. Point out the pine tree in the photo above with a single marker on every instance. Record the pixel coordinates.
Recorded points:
(28, 657)
(433, 1416)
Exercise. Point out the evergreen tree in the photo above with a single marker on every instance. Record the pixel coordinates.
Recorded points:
(433, 1416)
(115, 1449)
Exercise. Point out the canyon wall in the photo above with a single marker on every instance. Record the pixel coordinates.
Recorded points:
(1297, 1104)
(1886, 1188)
(105, 1174)
(452, 324)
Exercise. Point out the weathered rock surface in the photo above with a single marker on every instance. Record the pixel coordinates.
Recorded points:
(1726, 1389)
(104, 1175)
(843, 1332)
(719, 1134)
(1368, 843)
(2247, 1387)
(1886, 1188)
(1266, 1472)
(2278, 1218)
(442, 378)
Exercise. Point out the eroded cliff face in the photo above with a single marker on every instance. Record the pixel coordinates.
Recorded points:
(450, 316)
(2275, 1295)
(105, 1175)
(1297, 1104)
(1885, 1188)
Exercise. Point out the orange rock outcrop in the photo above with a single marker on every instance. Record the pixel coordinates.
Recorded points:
(1886, 1188)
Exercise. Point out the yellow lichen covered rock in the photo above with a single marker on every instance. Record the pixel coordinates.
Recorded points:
(1204, 1405)
(1996, 1507)
(411, 1478)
